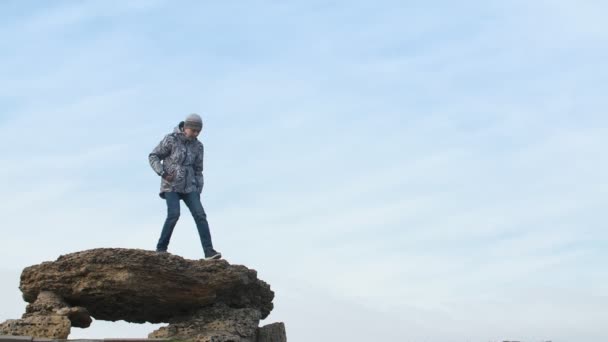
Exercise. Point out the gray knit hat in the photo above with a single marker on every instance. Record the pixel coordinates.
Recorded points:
(193, 121)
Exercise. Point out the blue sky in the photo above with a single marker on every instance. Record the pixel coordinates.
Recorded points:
(395, 170)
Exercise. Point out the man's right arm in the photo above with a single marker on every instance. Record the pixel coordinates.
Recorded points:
(160, 152)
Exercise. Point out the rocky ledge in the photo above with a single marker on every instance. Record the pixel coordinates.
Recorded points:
(202, 300)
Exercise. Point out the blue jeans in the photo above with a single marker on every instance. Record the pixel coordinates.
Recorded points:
(193, 201)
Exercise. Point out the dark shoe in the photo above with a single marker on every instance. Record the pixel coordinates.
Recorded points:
(212, 254)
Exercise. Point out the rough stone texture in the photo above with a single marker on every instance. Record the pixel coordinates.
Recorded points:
(274, 332)
(49, 316)
(215, 323)
(48, 303)
(143, 286)
(55, 326)
(203, 301)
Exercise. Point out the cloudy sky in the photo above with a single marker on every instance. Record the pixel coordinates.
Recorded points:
(395, 170)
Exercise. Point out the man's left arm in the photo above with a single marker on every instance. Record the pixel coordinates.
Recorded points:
(198, 168)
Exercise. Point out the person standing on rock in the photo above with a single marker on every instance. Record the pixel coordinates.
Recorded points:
(178, 160)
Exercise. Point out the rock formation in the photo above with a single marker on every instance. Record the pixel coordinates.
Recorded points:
(48, 316)
(202, 300)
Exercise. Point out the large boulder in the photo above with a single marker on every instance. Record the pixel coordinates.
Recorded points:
(203, 300)
(144, 286)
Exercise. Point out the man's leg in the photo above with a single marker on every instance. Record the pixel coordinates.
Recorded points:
(172, 199)
(193, 201)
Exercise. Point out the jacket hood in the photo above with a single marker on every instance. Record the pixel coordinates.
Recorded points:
(179, 128)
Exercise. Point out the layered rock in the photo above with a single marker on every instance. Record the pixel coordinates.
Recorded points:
(202, 300)
(48, 316)
(218, 321)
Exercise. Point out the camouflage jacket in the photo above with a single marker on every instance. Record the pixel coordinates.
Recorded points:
(181, 157)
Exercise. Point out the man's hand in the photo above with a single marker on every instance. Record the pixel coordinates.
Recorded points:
(168, 177)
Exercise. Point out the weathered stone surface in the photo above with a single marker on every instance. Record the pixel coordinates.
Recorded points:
(55, 326)
(143, 286)
(215, 323)
(48, 303)
(274, 332)
(49, 316)
(203, 301)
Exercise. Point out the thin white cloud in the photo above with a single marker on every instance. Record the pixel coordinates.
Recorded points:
(436, 169)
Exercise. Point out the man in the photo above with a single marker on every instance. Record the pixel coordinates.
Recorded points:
(178, 159)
